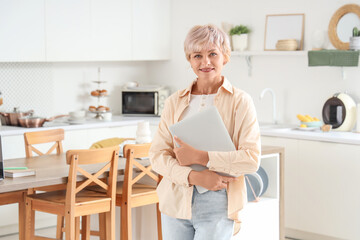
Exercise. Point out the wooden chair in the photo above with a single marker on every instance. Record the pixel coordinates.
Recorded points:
(40, 137)
(131, 194)
(76, 201)
(48, 136)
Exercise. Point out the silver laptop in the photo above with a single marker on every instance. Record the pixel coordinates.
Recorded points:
(1, 162)
(204, 131)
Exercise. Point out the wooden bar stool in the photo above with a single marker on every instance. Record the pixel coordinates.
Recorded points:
(39, 137)
(130, 193)
(76, 201)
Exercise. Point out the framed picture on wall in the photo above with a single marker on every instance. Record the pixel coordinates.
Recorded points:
(284, 27)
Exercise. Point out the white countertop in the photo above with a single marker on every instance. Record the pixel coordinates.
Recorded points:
(283, 131)
(316, 135)
(116, 121)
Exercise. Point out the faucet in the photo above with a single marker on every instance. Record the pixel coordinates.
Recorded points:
(274, 101)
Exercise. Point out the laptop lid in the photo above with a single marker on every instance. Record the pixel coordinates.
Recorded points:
(205, 131)
(1, 162)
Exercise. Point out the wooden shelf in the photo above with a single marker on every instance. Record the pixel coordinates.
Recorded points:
(269, 53)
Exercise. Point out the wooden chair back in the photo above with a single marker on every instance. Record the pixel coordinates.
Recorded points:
(131, 153)
(48, 136)
(75, 158)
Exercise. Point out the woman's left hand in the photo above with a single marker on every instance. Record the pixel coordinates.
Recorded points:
(187, 155)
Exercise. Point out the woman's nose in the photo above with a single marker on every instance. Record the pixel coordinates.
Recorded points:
(206, 60)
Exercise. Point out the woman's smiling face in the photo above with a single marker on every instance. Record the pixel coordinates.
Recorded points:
(207, 63)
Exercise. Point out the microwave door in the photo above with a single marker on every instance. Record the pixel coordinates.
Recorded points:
(138, 103)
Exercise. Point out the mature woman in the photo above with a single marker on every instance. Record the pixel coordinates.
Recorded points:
(208, 210)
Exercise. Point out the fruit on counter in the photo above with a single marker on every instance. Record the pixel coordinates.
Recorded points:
(307, 118)
(303, 126)
(326, 128)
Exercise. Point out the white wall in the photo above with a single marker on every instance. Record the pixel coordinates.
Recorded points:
(299, 88)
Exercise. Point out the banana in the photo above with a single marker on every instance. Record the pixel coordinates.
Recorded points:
(316, 119)
(310, 118)
(301, 118)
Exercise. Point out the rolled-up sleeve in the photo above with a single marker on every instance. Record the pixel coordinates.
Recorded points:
(246, 137)
(162, 157)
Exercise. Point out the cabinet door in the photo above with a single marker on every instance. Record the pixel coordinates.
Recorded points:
(328, 189)
(111, 30)
(151, 29)
(67, 30)
(22, 33)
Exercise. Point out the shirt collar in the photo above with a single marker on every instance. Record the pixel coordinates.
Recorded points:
(226, 85)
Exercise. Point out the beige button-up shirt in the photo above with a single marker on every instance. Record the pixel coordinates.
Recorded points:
(238, 113)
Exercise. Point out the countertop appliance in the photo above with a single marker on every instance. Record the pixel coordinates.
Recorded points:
(340, 112)
(143, 100)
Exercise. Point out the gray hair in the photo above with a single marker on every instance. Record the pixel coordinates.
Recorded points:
(201, 37)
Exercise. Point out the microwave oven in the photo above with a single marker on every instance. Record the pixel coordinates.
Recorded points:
(143, 100)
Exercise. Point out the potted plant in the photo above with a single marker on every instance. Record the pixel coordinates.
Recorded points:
(239, 36)
(355, 39)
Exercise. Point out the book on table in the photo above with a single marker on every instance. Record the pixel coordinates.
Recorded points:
(19, 173)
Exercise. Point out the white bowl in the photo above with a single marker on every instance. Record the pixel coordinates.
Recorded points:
(75, 115)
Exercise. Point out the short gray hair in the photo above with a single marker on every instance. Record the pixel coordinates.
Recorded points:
(200, 37)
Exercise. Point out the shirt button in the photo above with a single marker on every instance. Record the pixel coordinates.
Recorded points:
(203, 104)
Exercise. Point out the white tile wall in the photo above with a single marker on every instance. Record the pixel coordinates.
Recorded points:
(27, 86)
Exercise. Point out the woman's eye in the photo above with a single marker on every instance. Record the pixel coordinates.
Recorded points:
(213, 54)
(197, 56)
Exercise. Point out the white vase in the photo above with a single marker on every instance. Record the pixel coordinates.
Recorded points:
(143, 133)
(240, 42)
(354, 43)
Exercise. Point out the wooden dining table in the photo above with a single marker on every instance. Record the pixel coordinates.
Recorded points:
(50, 170)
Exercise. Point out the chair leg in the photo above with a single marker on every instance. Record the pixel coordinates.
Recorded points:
(110, 224)
(158, 214)
(69, 226)
(29, 221)
(102, 226)
(77, 228)
(126, 230)
(85, 227)
(59, 227)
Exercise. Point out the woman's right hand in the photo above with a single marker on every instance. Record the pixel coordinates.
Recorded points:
(209, 180)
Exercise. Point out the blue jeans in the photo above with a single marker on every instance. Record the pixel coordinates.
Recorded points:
(209, 219)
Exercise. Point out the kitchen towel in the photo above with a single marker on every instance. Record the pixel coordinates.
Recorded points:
(339, 58)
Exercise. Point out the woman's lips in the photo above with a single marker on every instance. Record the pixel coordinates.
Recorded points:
(206, 69)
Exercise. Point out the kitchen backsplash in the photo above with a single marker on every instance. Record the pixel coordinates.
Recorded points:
(27, 86)
(57, 88)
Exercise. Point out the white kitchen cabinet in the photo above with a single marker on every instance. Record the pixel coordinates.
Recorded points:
(151, 29)
(320, 188)
(22, 31)
(111, 30)
(84, 30)
(68, 36)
